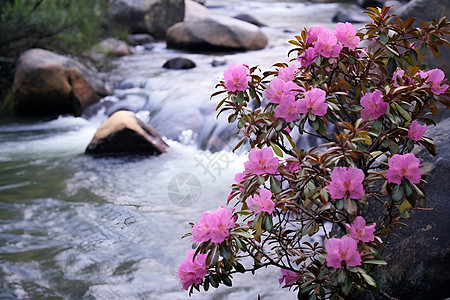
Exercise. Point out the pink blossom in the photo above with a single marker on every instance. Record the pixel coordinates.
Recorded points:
(288, 108)
(262, 202)
(261, 161)
(359, 230)
(236, 77)
(374, 105)
(289, 277)
(287, 74)
(314, 100)
(213, 226)
(314, 33)
(346, 35)
(239, 177)
(307, 57)
(406, 165)
(416, 131)
(400, 73)
(192, 271)
(278, 88)
(346, 182)
(327, 44)
(435, 78)
(343, 249)
(293, 164)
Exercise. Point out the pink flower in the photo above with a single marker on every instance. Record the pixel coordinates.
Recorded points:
(239, 177)
(236, 78)
(314, 33)
(261, 161)
(435, 78)
(374, 105)
(261, 202)
(192, 271)
(406, 165)
(346, 35)
(359, 230)
(307, 57)
(416, 131)
(346, 181)
(327, 44)
(287, 74)
(289, 277)
(278, 88)
(213, 226)
(288, 108)
(314, 100)
(293, 165)
(343, 249)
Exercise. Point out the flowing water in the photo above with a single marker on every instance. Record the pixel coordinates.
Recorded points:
(73, 226)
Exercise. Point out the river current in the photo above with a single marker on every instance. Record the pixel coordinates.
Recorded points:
(73, 226)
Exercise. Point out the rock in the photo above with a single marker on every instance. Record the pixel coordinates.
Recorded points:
(216, 33)
(202, 2)
(419, 257)
(110, 47)
(428, 10)
(179, 63)
(147, 16)
(140, 39)
(353, 14)
(124, 133)
(219, 61)
(249, 19)
(46, 83)
(194, 11)
(131, 82)
(371, 3)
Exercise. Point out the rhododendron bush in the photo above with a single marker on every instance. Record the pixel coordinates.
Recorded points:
(368, 97)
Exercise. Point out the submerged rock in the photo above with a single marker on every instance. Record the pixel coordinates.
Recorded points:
(46, 83)
(216, 33)
(249, 19)
(123, 133)
(147, 16)
(179, 63)
(140, 39)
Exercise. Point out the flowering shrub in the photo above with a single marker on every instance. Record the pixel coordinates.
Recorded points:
(366, 95)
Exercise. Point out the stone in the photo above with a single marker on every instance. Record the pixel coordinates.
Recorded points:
(419, 256)
(179, 63)
(110, 48)
(427, 10)
(147, 16)
(353, 14)
(140, 39)
(371, 3)
(123, 133)
(194, 11)
(216, 33)
(46, 83)
(249, 19)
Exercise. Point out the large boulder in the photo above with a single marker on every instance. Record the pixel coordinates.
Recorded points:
(216, 33)
(123, 133)
(110, 47)
(418, 257)
(147, 16)
(46, 83)
(428, 10)
(195, 10)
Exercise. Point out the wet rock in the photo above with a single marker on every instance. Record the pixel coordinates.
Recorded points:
(219, 61)
(371, 3)
(216, 33)
(249, 19)
(353, 14)
(109, 47)
(194, 10)
(419, 257)
(428, 10)
(132, 82)
(132, 102)
(147, 16)
(123, 133)
(46, 83)
(179, 63)
(140, 39)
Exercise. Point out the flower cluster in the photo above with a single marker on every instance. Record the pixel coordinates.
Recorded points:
(214, 226)
(192, 270)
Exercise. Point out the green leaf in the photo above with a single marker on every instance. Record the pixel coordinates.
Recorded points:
(375, 262)
(397, 192)
(347, 285)
(275, 185)
(227, 265)
(214, 281)
(383, 38)
(225, 279)
(268, 224)
(276, 149)
(369, 280)
(391, 65)
(403, 112)
(239, 267)
(314, 124)
(225, 251)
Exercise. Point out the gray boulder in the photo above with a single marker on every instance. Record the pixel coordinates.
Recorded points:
(179, 63)
(194, 10)
(419, 256)
(46, 83)
(371, 3)
(249, 19)
(123, 133)
(216, 33)
(147, 16)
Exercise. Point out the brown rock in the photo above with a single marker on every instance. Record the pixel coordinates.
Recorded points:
(216, 33)
(195, 10)
(109, 47)
(124, 133)
(46, 83)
